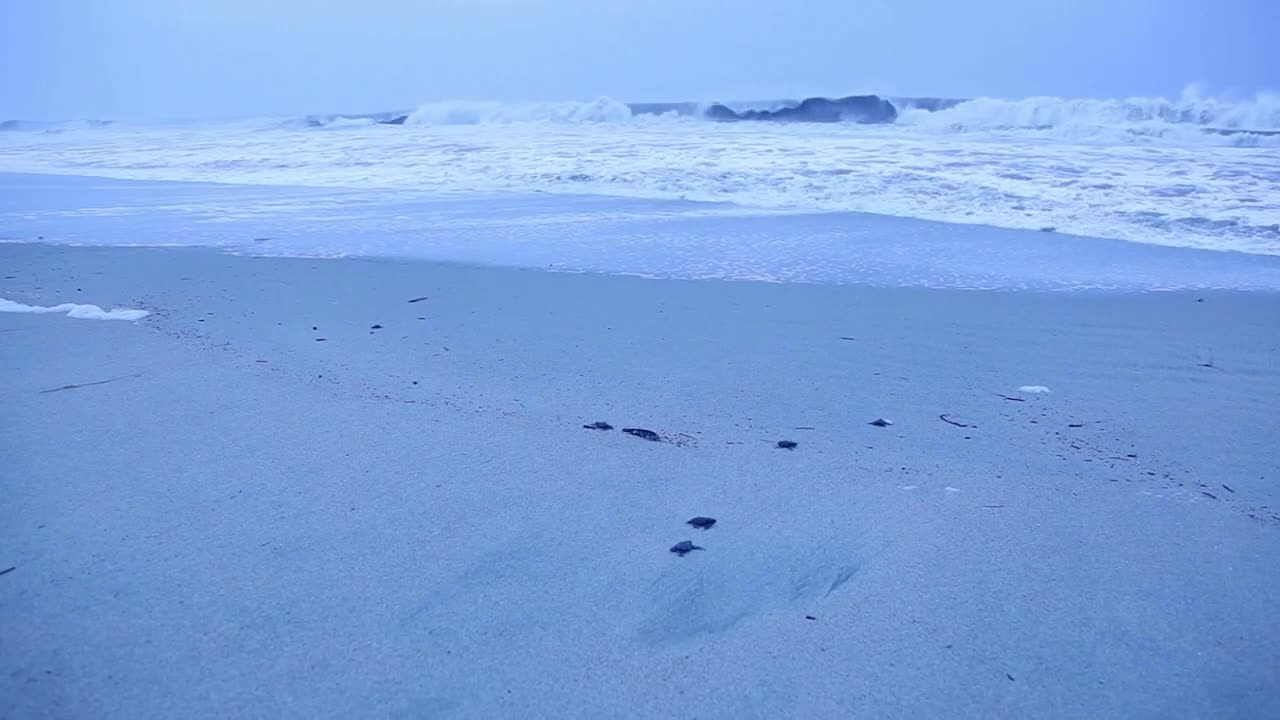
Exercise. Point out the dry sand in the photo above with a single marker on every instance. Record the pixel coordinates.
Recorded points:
(254, 504)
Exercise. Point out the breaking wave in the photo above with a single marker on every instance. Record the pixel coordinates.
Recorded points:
(1191, 114)
(1193, 117)
(462, 112)
(1197, 171)
(53, 127)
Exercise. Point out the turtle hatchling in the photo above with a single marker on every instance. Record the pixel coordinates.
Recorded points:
(643, 434)
(786, 444)
(702, 523)
(684, 547)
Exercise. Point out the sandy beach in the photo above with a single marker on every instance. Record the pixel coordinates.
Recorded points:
(657, 360)
(363, 488)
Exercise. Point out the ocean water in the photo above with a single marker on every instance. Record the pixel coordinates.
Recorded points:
(1192, 172)
(597, 233)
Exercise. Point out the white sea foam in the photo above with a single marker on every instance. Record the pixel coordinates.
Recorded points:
(461, 112)
(1034, 389)
(80, 312)
(1140, 170)
(349, 122)
(1184, 119)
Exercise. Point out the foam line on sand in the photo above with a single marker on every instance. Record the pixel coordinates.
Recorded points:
(72, 310)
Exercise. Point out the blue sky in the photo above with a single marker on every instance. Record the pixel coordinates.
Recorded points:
(146, 59)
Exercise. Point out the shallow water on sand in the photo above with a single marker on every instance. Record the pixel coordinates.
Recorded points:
(656, 238)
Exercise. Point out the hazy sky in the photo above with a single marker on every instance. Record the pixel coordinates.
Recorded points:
(134, 59)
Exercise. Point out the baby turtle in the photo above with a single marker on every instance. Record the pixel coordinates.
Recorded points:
(643, 434)
(684, 547)
(881, 422)
(786, 444)
(599, 425)
(702, 523)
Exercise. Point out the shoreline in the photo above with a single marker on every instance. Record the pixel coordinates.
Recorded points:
(255, 488)
(651, 238)
(480, 266)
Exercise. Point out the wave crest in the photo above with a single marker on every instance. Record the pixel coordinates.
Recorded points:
(470, 112)
(1148, 117)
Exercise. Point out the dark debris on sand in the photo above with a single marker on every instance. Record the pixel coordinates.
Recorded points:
(643, 434)
(598, 425)
(787, 444)
(684, 547)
